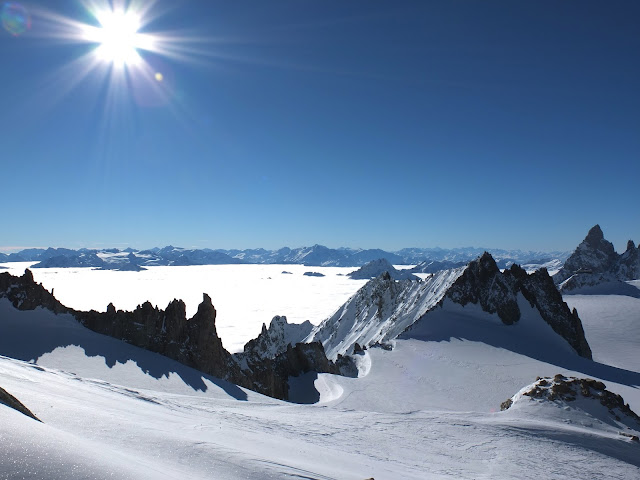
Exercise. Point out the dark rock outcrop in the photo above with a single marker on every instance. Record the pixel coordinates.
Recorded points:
(313, 274)
(497, 292)
(25, 294)
(12, 402)
(193, 342)
(274, 340)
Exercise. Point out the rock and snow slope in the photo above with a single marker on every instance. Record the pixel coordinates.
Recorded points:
(380, 311)
(583, 401)
(384, 308)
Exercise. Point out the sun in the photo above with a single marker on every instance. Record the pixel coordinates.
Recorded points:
(118, 38)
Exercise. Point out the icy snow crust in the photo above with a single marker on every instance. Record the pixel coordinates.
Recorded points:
(427, 409)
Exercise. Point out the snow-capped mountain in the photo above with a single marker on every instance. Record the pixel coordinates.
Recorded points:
(378, 267)
(595, 263)
(383, 309)
(316, 255)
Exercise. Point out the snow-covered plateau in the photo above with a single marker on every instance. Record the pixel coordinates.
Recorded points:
(429, 408)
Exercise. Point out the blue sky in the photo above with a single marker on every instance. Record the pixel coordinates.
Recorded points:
(346, 123)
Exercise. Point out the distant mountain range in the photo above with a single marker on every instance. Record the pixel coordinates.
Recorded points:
(317, 255)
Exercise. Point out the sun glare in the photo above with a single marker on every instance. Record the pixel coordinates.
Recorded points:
(117, 37)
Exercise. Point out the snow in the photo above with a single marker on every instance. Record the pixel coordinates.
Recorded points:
(428, 409)
(552, 266)
(612, 327)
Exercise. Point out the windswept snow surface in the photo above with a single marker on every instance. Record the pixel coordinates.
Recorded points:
(96, 427)
(612, 327)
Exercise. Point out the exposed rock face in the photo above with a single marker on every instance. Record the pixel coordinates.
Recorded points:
(595, 262)
(274, 340)
(272, 375)
(193, 342)
(378, 267)
(482, 283)
(25, 294)
(10, 401)
(628, 267)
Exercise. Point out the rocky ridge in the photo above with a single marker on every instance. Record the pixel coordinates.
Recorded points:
(595, 262)
(193, 342)
(383, 308)
(496, 292)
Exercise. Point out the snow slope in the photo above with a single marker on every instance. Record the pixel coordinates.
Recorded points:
(94, 428)
(427, 409)
(612, 327)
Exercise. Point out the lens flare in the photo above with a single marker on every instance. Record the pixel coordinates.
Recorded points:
(15, 18)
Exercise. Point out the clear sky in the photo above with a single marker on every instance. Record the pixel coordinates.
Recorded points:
(361, 123)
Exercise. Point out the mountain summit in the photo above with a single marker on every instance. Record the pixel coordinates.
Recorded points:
(595, 262)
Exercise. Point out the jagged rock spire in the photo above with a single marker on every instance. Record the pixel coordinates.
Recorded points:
(595, 261)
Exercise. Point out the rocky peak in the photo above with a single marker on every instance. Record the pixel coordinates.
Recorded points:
(595, 235)
(595, 261)
(274, 340)
(596, 252)
(483, 284)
